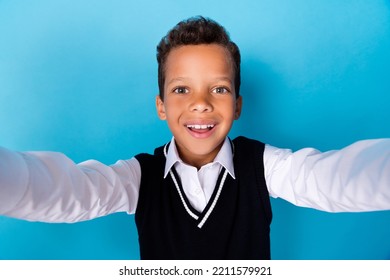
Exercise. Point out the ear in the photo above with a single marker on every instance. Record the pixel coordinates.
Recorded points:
(237, 113)
(160, 108)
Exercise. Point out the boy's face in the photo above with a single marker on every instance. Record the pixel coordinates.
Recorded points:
(200, 102)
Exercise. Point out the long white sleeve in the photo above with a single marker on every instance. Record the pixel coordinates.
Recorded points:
(353, 179)
(48, 186)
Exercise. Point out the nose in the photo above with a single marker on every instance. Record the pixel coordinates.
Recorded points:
(201, 103)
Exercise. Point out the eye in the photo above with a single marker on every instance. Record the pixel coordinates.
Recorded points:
(221, 90)
(180, 90)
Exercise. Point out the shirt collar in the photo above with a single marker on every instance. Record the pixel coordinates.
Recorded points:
(224, 157)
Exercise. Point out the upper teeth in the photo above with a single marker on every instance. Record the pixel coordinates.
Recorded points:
(200, 126)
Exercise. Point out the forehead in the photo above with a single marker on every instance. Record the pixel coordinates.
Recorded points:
(191, 60)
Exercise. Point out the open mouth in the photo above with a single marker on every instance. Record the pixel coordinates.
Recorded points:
(200, 127)
(201, 131)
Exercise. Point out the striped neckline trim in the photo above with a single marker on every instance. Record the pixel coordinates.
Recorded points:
(181, 195)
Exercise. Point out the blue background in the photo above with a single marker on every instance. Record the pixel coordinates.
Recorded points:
(80, 77)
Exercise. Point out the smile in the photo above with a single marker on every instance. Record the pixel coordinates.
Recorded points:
(200, 126)
(201, 131)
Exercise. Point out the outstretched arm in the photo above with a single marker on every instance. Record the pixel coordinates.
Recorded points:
(353, 179)
(49, 187)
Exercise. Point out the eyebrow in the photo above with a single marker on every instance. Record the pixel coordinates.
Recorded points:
(184, 79)
(179, 79)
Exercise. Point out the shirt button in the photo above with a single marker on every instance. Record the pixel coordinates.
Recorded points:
(197, 191)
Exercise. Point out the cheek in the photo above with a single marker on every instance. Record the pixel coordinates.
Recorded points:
(228, 107)
(172, 111)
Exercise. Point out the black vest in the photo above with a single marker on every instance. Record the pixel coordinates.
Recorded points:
(238, 227)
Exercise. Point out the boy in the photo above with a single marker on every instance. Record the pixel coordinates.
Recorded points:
(201, 196)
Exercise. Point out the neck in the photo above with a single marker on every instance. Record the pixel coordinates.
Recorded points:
(197, 160)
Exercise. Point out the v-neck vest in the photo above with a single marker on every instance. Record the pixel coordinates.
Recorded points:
(234, 225)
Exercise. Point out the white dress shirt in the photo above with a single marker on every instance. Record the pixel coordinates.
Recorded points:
(199, 185)
(48, 186)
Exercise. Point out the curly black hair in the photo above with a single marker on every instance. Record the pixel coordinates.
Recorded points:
(196, 31)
